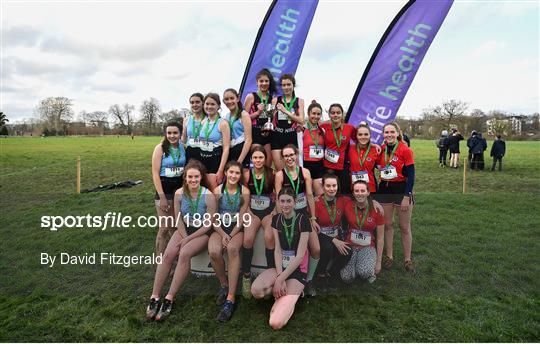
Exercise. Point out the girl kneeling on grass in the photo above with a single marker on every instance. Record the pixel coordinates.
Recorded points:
(233, 200)
(191, 202)
(287, 280)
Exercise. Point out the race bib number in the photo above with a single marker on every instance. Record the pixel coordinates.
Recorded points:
(389, 173)
(301, 201)
(329, 231)
(316, 152)
(282, 116)
(361, 175)
(260, 202)
(286, 258)
(172, 172)
(331, 155)
(361, 238)
(194, 142)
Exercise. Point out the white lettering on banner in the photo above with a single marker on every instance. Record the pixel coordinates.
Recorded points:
(284, 36)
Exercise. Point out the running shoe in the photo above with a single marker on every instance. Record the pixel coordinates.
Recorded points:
(409, 267)
(222, 295)
(388, 262)
(246, 288)
(165, 310)
(153, 308)
(371, 279)
(226, 312)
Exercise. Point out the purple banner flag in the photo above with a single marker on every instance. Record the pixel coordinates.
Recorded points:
(280, 40)
(394, 64)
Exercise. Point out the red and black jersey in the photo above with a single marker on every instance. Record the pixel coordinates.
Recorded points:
(357, 163)
(354, 233)
(324, 220)
(343, 134)
(285, 123)
(254, 107)
(317, 134)
(403, 156)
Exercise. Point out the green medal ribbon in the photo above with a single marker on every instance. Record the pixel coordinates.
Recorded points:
(332, 212)
(194, 206)
(265, 100)
(289, 105)
(314, 139)
(297, 186)
(361, 224)
(338, 142)
(365, 154)
(258, 187)
(175, 155)
(289, 229)
(234, 119)
(206, 131)
(233, 201)
(196, 130)
(388, 157)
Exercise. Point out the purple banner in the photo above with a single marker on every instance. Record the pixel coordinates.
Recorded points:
(394, 64)
(280, 41)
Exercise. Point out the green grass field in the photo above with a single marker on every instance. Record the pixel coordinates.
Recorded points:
(478, 257)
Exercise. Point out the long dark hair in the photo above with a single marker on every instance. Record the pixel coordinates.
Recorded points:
(272, 87)
(165, 144)
(239, 106)
(331, 175)
(268, 174)
(288, 77)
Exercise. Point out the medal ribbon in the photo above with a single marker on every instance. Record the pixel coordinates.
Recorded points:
(289, 105)
(388, 157)
(196, 130)
(332, 211)
(297, 186)
(289, 229)
(175, 155)
(363, 160)
(258, 187)
(206, 131)
(265, 100)
(338, 142)
(316, 138)
(366, 211)
(194, 206)
(234, 119)
(236, 200)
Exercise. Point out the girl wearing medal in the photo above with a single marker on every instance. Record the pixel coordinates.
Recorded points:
(329, 208)
(396, 164)
(233, 200)
(168, 161)
(192, 127)
(363, 219)
(336, 142)
(290, 114)
(240, 126)
(299, 180)
(255, 103)
(313, 146)
(260, 181)
(363, 157)
(192, 203)
(286, 281)
(215, 141)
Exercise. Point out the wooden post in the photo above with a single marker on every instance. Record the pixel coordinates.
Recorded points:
(78, 175)
(465, 175)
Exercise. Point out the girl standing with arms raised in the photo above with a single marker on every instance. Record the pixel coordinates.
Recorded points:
(191, 201)
(215, 140)
(168, 161)
(287, 280)
(240, 126)
(255, 103)
(192, 127)
(313, 147)
(396, 164)
(260, 181)
(290, 114)
(233, 200)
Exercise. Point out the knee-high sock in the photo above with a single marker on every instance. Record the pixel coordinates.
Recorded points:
(312, 267)
(247, 256)
(270, 259)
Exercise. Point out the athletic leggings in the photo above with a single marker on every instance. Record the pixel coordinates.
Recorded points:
(328, 252)
(361, 264)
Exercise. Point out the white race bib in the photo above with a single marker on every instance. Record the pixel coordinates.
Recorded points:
(282, 116)
(286, 258)
(194, 142)
(316, 152)
(260, 202)
(359, 237)
(360, 175)
(389, 173)
(209, 146)
(172, 172)
(330, 231)
(301, 201)
(331, 155)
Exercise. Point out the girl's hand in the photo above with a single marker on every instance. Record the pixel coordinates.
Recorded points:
(219, 177)
(164, 204)
(315, 226)
(342, 246)
(377, 268)
(405, 203)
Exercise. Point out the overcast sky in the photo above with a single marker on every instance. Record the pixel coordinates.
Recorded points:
(100, 53)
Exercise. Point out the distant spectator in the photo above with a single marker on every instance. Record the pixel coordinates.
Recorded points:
(470, 144)
(453, 143)
(479, 145)
(498, 149)
(406, 139)
(442, 144)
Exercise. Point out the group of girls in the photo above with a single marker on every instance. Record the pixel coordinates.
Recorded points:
(329, 217)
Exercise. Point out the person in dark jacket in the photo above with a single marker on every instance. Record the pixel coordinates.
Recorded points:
(477, 148)
(498, 149)
(453, 144)
(442, 144)
(470, 144)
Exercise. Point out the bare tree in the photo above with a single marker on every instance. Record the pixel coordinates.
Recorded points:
(150, 112)
(55, 111)
(173, 115)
